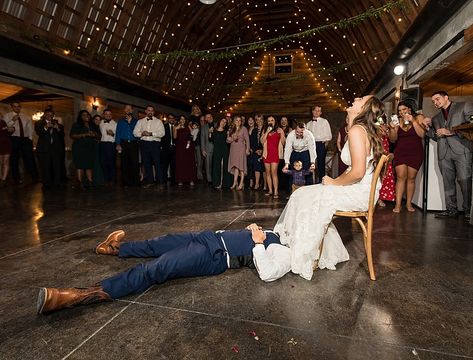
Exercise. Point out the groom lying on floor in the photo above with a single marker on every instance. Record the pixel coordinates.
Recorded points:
(177, 255)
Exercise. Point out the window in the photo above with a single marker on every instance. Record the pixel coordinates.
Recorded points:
(283, 64)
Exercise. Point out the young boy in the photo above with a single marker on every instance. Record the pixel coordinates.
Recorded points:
(298, 175)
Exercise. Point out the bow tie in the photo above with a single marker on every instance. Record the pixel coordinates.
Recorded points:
(149, 119)
(106, 121)
(314, 119)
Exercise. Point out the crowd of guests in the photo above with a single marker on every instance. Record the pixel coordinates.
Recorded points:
(231, 152)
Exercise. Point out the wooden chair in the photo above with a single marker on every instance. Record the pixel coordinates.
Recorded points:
(365, 218)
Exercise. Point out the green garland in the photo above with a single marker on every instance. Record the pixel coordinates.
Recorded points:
(228, 52)
(239, 50)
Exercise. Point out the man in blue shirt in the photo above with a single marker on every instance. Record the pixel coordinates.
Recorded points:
(128, 148)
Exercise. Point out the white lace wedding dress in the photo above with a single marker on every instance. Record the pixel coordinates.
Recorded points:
(307, 219)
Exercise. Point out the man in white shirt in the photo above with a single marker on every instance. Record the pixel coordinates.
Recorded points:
(176, 255)
(108, 129)
(150, 130)
(22, 142)
(320, 128)
(300, 146)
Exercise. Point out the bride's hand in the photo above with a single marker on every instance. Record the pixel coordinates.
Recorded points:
(327, 180)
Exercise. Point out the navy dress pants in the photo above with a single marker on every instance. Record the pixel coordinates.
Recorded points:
(177, 256)
(107, 160)
(321, 154)
(150, 156)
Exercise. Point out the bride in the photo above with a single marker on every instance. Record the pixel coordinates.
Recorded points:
(307, 217)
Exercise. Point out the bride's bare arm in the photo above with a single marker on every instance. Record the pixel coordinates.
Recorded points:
(359, 145)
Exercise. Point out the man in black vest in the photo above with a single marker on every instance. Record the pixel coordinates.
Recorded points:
(176, 256)
(50, 149)
(168, 151)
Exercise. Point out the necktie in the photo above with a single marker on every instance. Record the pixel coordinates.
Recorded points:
(22, 131)
(170, 129)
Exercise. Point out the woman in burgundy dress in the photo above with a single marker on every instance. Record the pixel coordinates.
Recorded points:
(186, 168)
(273, 140)
(5, 150)
(409, 151)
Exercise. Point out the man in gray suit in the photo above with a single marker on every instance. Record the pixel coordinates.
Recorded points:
(454, 151)
(206, 145)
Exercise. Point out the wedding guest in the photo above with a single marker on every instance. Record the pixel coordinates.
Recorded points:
(454, 151)
(206, 145)
(50, 149)
(128, 148)
(98, 178)
(21, 142)
(387, 191)
(221, 178)
(150, 130)
(297, 174)
(320, 128)
(255, 162)
(300, 147)
(285, 126)
(108, 129)
(273, 141)
(186, 170)
(84, 148)
(198, 152)
(168, 150)
(409, 152)
(239, 148)
(5, 150)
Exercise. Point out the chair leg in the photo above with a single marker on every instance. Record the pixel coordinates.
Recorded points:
(367, 232)
(369, 254)
(369, 257)
(321, 247)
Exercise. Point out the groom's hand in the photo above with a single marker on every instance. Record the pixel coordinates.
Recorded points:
(253, 226)
(258, 236)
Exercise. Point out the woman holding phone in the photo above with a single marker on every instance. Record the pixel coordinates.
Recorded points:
(407, 132)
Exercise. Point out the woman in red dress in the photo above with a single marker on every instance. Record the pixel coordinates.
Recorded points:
(387, 191)
(186, 168)
(273, 140)
(409, 152)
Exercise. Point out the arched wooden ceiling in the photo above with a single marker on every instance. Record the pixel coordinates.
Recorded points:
(94, 29)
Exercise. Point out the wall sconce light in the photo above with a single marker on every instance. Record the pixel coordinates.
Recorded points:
(208, 2)
(257, 66)
(95, 104)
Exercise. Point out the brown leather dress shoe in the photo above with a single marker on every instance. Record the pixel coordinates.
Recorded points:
(111, 244)
(51, 299)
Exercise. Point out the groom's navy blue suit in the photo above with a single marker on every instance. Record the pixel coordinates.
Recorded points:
(180, 255)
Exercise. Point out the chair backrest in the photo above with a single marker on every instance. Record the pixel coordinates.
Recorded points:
(381, 167)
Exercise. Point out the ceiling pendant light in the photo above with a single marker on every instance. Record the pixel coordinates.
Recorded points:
(208, 2)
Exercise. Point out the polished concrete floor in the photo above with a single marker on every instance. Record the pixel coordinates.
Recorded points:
(421, 306)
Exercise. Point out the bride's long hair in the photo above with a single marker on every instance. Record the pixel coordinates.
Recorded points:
(372, 110)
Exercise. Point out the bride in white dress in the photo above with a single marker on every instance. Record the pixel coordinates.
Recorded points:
(307, 217)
